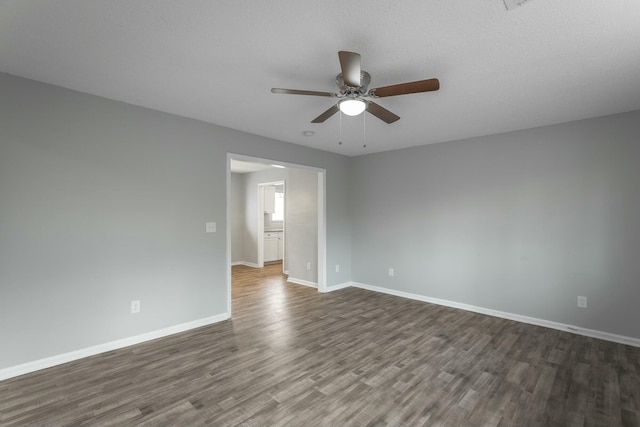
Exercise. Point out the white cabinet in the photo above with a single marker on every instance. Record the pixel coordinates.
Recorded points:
(270, 247)
(269, 199)
(273, 246)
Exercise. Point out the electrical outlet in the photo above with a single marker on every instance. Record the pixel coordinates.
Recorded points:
(308, 265)
(391, 272)
(582, 302)
(135, 306)
(337, 268)
(210, 227)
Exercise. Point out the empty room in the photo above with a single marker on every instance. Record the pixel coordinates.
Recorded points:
(328, 213)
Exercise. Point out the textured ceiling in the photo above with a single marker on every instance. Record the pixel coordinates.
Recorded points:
(541, 63)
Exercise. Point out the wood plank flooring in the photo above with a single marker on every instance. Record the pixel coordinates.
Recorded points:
(291, 356)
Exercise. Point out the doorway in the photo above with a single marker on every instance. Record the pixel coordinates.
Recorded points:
(271, 223)
(295, 261)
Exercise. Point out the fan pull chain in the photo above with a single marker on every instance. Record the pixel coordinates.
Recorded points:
(364, 129)
(340, 140)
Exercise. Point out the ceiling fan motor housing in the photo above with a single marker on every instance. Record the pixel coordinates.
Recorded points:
(365, 79)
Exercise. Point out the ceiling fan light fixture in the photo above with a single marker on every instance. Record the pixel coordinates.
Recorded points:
(354, 95)
(352, 107)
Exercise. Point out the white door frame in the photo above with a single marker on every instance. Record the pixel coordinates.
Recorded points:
(261, 220)
(322, 218)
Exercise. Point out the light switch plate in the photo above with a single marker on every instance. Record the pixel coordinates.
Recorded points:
(210, 227)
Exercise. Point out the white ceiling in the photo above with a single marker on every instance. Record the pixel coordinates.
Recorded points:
(547, 61)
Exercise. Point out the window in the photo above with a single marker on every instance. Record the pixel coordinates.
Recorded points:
(278, 214)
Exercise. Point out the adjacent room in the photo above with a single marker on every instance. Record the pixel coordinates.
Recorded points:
(319, 213)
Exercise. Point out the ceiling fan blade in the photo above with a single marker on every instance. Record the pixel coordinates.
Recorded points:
(350, 64)
(301, 92)
(406, 88)
(381, 113)
(324, 116)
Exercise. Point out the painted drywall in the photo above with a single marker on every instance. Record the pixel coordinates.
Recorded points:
(522, 222)
(105, 202)
(301, 217)
(237, 215)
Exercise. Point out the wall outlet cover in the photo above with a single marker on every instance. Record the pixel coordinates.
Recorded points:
(582, 302)
(135, 306)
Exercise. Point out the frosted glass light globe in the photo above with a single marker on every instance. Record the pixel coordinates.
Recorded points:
(352, 107)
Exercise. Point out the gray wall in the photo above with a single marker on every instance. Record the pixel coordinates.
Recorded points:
(302, 224)
(237, 213)
(104, 202)
(521, 222)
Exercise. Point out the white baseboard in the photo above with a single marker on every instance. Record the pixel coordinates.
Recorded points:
(339, 286)
(607, 336)
(302, 282)
(48, 362)
(248, 264)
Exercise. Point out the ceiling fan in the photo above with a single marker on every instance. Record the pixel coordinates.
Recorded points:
(354, 93)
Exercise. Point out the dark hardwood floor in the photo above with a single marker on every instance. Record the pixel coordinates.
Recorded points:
(291, 356)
